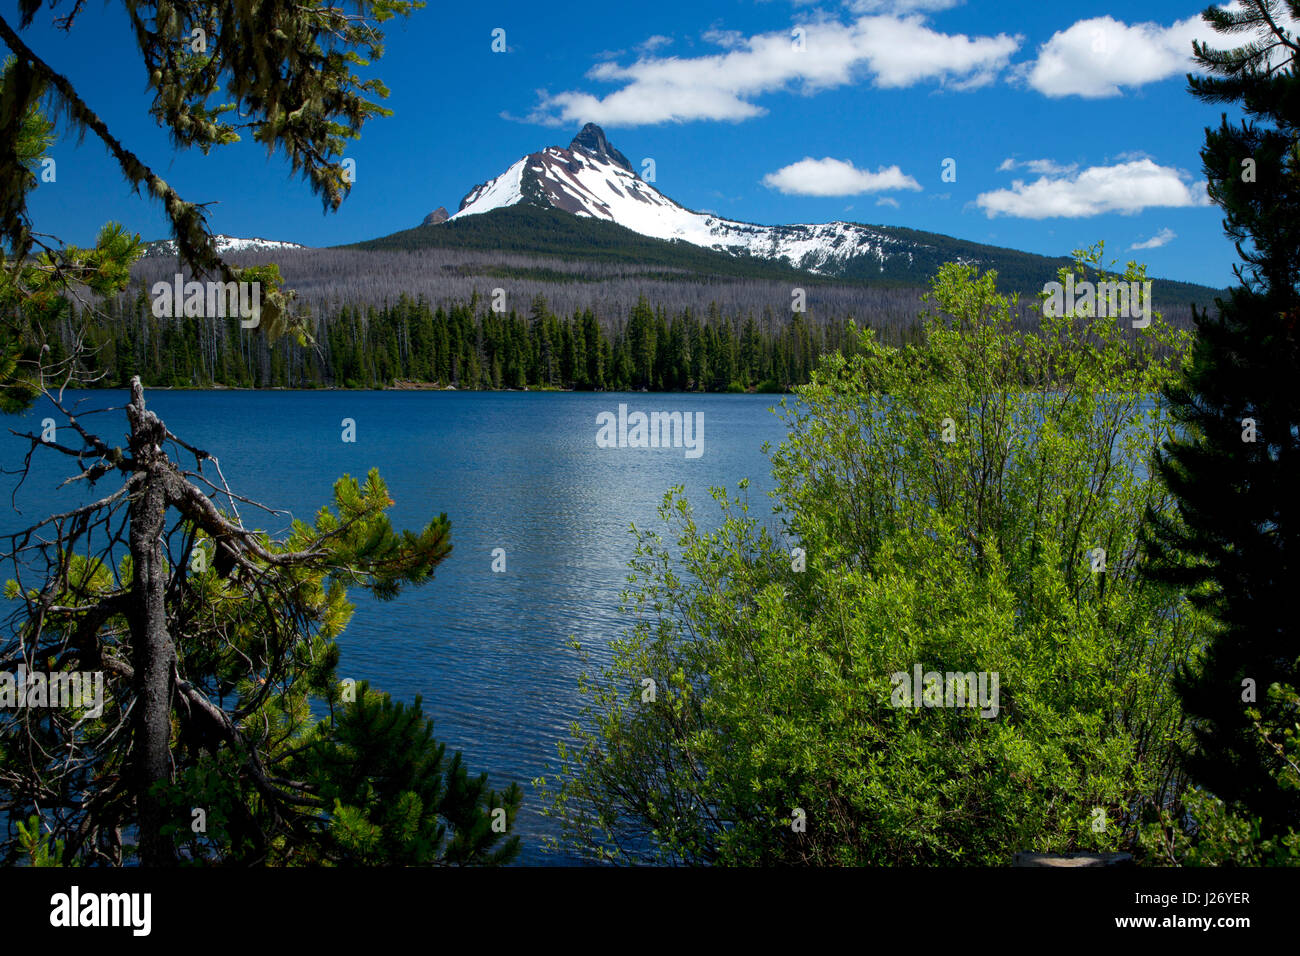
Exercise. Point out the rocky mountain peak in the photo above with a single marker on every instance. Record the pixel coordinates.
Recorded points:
(438, 215)
(591, 140)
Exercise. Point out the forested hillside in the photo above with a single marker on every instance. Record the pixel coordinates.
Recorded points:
(324, 279)
(552, 233)
(746, 344)
(475, 318)
(467, 346)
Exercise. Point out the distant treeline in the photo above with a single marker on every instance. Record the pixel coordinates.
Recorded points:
(380, 318)
(467, 345)
(326, 279)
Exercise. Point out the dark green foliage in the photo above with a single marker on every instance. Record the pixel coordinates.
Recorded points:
(396, 795)
(16, 391)
(467, 345)
(288, 765)
(409, 340)
(288, 67)
(1234, 542)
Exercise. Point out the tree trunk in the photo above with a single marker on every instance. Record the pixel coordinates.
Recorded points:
(153, 653)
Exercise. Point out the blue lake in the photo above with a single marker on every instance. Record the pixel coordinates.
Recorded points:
(488, 652)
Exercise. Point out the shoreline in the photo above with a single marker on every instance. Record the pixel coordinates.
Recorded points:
(430, 387)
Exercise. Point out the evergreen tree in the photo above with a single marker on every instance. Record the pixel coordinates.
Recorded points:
(33, 287)
(699, 358)
(396, 797)
(601, 365)
(641, 345)
(289, 67)
(1234, 466)
(215, 640)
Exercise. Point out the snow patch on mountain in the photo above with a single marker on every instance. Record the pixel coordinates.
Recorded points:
(593, 179)
(225, 244)
(505, 190)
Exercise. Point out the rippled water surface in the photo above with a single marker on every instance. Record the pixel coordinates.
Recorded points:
(520, 471)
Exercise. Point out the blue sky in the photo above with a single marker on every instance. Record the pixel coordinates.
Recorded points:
(1067, 125)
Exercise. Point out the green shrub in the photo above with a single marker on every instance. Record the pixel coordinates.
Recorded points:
(773, 735)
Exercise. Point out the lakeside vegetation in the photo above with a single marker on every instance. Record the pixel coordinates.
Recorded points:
(468, 345)
(964, 495)
(772, 641)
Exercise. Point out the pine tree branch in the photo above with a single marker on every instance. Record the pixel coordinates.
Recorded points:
(194, 242)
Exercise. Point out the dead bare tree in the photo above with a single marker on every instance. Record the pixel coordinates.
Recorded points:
(197, 659)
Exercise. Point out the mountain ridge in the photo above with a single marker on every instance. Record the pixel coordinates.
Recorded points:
(591, 179)
(549, 233)
(585, 202)
(225, 244)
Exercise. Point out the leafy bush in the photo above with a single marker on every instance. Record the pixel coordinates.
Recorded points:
(771, 733)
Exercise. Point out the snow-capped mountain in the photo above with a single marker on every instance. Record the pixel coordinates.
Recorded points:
(225, 244)
(592, 178)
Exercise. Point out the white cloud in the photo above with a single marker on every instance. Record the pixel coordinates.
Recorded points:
(835, 177)
(1043, 167)
(886, 201)
(1124, 188)
(1096, 57)
(727, 39)
(652, 43)
(892, 52)
(900, 6)
(1155, 242)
